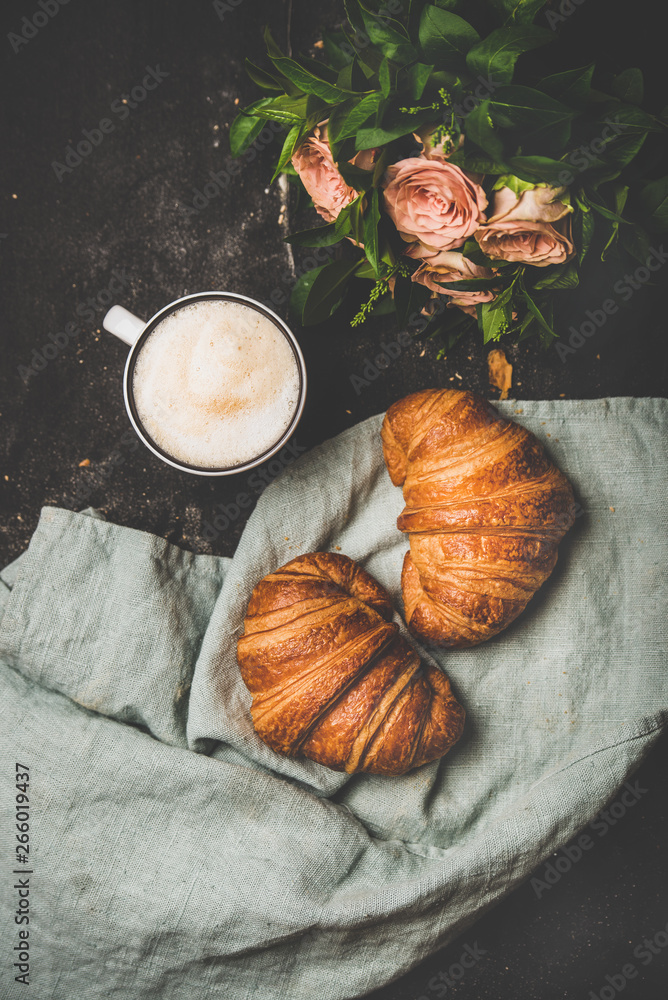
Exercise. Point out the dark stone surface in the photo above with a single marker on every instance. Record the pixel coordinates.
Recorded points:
(122, 212)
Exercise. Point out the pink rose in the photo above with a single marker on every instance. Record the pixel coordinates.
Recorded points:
(434, 202)
(451, 266)
(532, 229)
(317, 171)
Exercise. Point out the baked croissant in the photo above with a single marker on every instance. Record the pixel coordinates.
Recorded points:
(332, 677)
(485, 511)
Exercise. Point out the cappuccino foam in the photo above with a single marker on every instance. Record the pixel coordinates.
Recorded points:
(216, 384)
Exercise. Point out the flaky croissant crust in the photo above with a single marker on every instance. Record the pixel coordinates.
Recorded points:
(332, 677)
(485, 510)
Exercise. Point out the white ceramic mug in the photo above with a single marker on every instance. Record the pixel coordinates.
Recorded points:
(134, 331)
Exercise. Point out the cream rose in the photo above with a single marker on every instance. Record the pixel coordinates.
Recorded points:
(433, 202)
(318, 173)
(450, 266)
(532, 229)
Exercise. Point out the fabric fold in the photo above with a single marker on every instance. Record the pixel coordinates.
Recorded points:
(179, 857)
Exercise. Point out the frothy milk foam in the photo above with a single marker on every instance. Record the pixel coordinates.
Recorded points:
(216, 384)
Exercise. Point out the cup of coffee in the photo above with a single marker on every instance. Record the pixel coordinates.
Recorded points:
(215, 382)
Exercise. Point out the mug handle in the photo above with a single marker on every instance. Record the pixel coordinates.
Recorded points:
(123, 324)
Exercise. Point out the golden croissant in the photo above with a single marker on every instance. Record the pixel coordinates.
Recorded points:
(332, 677)
(485, 511)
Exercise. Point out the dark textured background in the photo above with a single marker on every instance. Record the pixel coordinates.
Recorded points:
(123, 210)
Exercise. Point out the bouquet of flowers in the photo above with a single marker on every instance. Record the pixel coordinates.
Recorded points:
(465, 194)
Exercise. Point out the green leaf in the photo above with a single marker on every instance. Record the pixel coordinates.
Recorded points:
(337, 49)
(528, 327)
(494, 322)
(418, 75)
(301, 291)
(603, 210)
(273, 50)
(371, 237)
(409, 299)
(503, 298)
(470, 284)
(453, 5)
(319, 68)
(471, 250)
(263, 79)
(349, 221)
(477, 163)
(517, 11)
(514, 106)
(246, 128)
(308, 82)
(345, 78)
(384, 78)
(636, 242)
(383, 306)
(616, 154)
(559, 277)
(445, 37)
(401, 124)
(479, 127)
(337, 117)
(516, 184)
(540, 169)
(326, 293)
(321, 236)
(389, 36)
(365, 270)
(525, 109)
(292, 140)
(354, 14)
(621, 194)
(379, 169)
(583, 231)
(354, 78)
(654, 202)
(357, 116)
(629, 118)
(628, 86)
(572, 86)
(542, 322)
(354, 176)
(368, 60)
(495, 56)
(285, 109)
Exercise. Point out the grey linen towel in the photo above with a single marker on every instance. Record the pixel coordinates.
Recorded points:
(173, 855)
